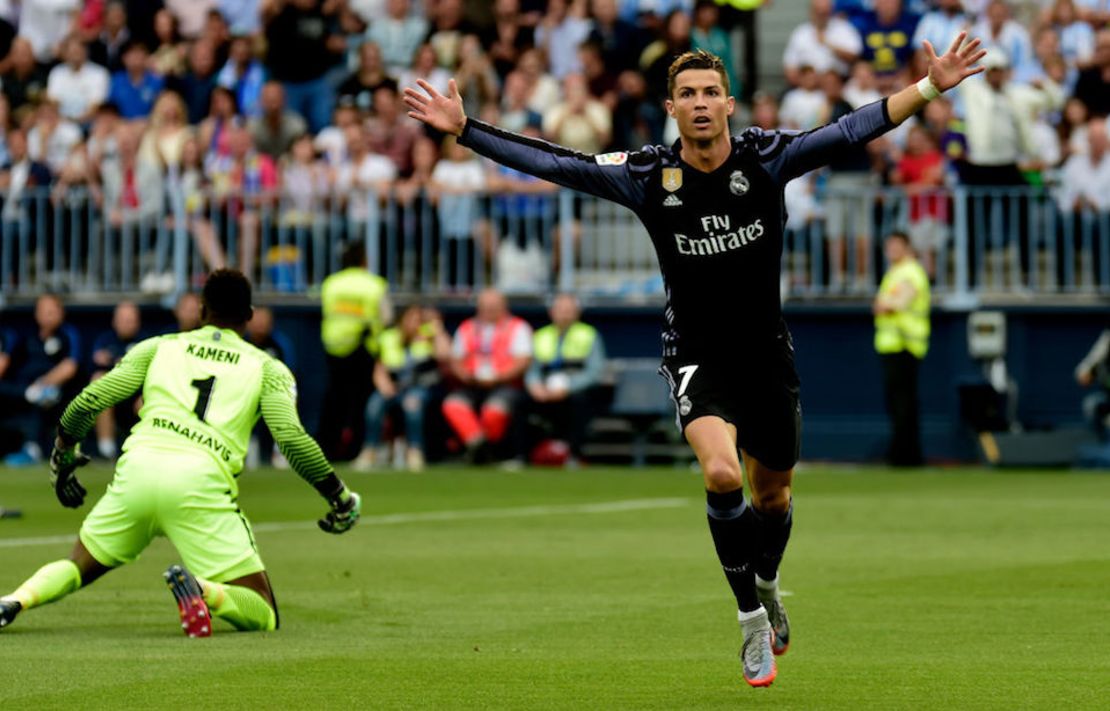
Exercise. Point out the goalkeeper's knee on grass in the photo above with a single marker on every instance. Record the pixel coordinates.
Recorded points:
(245, 609)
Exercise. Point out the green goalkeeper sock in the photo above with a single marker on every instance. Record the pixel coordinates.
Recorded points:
(51, 582)
(245, 609)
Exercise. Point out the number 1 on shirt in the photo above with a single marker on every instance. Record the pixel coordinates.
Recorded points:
(204, 393)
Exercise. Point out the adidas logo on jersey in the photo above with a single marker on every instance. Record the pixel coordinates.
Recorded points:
(672, 201)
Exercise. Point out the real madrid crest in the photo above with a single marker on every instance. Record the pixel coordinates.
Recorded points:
(738, 184)
(672, 179)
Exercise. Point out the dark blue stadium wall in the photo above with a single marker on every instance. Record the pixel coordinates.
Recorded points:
(841, 384)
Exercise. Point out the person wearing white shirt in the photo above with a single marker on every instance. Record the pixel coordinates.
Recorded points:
(804, 107)
(45, 23)
(1085, 179)
(398, 34)
(940, 26)
(52, 138)
(562, 30)
(360, 175)
(998, 30)
(79, 86)
(825, 42)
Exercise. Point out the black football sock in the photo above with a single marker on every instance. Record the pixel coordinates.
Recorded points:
(774, 532)
(732, 524)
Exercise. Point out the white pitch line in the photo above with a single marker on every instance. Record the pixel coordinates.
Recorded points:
(428, 516)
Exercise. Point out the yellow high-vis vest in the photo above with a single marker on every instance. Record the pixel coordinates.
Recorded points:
(908, 329)
(574, 350)
(352, 311)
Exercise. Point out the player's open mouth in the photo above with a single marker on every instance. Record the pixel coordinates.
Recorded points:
(702, 120)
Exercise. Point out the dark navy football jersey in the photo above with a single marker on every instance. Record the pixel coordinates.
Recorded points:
(718, 235)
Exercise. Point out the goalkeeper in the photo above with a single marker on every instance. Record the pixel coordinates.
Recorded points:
(202, 394)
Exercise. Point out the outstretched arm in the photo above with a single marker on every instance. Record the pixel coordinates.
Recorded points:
(610, 176)
(788, 155)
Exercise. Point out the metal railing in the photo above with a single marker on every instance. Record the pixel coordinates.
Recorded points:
(974, 242)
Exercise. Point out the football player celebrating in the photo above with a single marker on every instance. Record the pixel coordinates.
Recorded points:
(713, 206)
(202, 393)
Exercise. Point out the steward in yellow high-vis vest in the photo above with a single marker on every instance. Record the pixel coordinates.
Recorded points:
(901, 311)
(355, 309)
(568, 359)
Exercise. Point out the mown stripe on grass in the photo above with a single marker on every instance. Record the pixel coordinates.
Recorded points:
(601, 507)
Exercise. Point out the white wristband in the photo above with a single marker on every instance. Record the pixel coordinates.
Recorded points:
(927, 88)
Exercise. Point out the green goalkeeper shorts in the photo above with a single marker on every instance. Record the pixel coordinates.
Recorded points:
(192, 506)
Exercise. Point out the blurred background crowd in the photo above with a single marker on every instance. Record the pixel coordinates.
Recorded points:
(239, 102)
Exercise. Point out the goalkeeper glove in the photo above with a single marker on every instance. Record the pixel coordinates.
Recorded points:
(64, 462)
(345, 510)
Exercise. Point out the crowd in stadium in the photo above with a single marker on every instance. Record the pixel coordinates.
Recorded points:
(299, 98)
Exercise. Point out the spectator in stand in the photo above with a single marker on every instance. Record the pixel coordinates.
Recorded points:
(563, 28)
(1077, 38)
(508, 38)
(398, 34)
(543, 89)
(360, 177)
(707, 34)
(196, 85)
(620, 42)
(998, 30)
(190, 183)
(305, 184)
(657, 56)
(1093, 85)
(262, 335)
(213, 130)
(1085, 179)
(1000, 122)
(390, 132)
(804, 107)
(186, 312)
(825, 42)
(302, 48)
(920, 172)
(449, 27)
(243, 183)
(851, 194)
(489, 356)
(406, 376)
(475, 77)
(568, 362)
(941, 24)
(25, 80)
(107, 49)
(515, 113)
(45, 24)
(276, 128)
(101, 146)
(579, 122)
(78, 85)
(637, 119)
(191, 15)
(218, 33)
(168, 57)
(133, 203)
(1073, 127)
(108, 349)
(245, 75)
(167, 133)
(243, 16)
(366, 79)
(135, 87)
(52, 138)
(950, 136)
(600, 82)
(886, 33)
(862, 87)
(424, 67)
(22, 180)
(40, 372)
(455, 187)
(331, 143)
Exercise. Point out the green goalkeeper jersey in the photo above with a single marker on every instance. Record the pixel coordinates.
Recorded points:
(203, 392)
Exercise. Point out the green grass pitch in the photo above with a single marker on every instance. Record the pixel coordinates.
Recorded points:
(953, 589)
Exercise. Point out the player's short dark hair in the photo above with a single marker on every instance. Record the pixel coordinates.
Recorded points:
(354, 255)
(899, 235)
(697, 59)
(227, 297)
